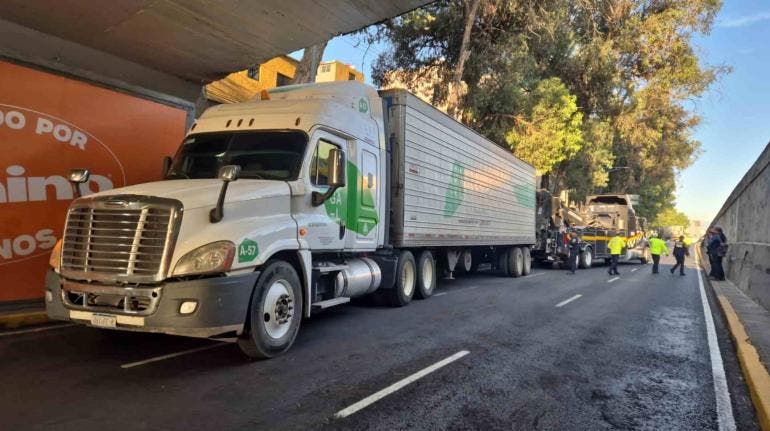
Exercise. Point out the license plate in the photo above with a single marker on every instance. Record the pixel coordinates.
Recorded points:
(104, 320)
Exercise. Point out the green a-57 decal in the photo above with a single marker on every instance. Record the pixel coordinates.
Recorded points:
(353, 205)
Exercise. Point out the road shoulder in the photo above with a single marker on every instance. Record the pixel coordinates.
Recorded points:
(749, 326)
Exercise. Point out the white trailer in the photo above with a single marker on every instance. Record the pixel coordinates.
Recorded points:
(276, 208)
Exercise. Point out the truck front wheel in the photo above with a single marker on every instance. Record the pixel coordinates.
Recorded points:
(406, 279)
(527, 260)
(274, 313)
(426, 275)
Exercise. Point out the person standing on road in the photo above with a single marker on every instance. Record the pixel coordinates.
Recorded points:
(574, 251)
(657, 247)
(615, 245)
(717, 249)
(680, 251)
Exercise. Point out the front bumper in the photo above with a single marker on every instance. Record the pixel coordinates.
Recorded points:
(222, 305)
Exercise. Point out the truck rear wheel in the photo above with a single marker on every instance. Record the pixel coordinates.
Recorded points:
(586, 258)
(406, 280)
(426, 275)
(515, 262)
(274, 314)
(464, 263)
(527, 260)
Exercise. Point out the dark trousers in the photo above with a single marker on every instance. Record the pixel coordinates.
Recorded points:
(655, 263)
(679, 263)
(711, 265)
(716, 268)
(614, 264)
(573, 261)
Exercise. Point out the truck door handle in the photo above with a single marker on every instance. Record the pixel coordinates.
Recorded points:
(342, 231)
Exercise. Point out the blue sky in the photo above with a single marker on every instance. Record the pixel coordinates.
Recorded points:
(736, 111)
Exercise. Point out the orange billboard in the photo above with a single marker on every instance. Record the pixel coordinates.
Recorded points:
(48, 125)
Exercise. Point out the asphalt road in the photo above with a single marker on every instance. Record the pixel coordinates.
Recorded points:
(627, 353)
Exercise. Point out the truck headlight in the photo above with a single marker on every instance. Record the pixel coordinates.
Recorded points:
(209, 258)
(55, 259)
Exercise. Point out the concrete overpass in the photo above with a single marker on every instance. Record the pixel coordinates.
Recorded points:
(171, 47)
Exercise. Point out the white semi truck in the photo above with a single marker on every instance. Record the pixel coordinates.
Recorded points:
(304, 199)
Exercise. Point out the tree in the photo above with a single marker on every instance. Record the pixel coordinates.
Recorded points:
(628, 64)
(669, 216)
(308, 65)
(548, 129)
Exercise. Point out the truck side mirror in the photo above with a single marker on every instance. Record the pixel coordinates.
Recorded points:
(336, 176)
(226, 174)
(167, 161)
(78, 177)
(336, 168)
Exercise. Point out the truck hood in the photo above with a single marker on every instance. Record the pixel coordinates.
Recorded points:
(204, 192)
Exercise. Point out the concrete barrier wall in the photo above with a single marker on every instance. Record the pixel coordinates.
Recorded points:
(745, 218)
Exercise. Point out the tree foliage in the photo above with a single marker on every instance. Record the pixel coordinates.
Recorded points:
(671, 217)
(628, 68)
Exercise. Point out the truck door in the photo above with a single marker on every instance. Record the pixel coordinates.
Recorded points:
(326, 223)
(362, 197)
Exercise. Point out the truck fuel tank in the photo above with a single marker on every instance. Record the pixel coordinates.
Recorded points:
(362, 276)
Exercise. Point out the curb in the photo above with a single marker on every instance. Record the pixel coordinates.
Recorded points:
(754, 371)
(26, 318)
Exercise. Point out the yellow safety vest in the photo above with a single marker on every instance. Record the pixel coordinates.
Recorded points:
(616, 245)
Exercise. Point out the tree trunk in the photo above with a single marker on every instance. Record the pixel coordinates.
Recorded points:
(308, 66)
(455, 86)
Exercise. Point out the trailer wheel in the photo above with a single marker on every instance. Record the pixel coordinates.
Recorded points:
(426, 275)
(527, 260)
(464, 263)
(274, 314)
(585, 259)
(406, 279)
(515, 262)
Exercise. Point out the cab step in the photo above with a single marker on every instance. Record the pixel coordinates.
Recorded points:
(329, 303)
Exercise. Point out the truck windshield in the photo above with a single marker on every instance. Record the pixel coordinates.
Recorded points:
(268, 155)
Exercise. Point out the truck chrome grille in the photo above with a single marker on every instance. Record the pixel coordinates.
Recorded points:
(127, 244)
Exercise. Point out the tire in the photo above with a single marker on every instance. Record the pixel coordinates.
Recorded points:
(515, 262)
(502, 262)
(464, 262)
(426, 275)
(274, 313)
(406, 280)
(527, 260)
(585, 260)
(646, 258)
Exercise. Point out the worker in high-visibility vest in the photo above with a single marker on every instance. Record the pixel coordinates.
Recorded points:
(615, 245)
(657, 247)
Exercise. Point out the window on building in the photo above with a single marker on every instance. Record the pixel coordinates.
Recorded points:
(253, 73)
(326, 68)
(282, 80)
(351, 76)
(319, 167)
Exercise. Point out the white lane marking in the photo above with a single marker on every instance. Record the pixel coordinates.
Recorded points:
(371, 399)
(535, 274)
(634, 270)
(725, 418)
(613, 279)
(29, 331)
(439, 294)
(171, 355)
(567, 301)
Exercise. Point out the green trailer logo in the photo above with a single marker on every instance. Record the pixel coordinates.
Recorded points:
(455, 190)
(247, 251)
(525, 195)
